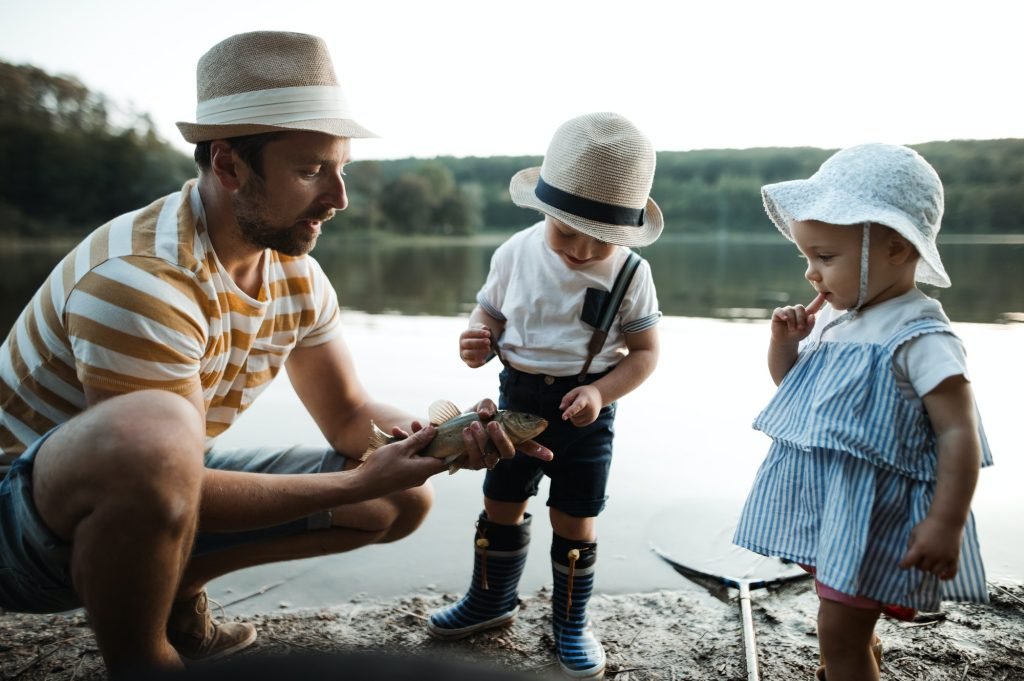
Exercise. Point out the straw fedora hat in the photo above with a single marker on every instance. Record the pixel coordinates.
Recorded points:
(268, 81)
(882, 183)
(596, 177)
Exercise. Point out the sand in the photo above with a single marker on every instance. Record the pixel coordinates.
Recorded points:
(677, 635)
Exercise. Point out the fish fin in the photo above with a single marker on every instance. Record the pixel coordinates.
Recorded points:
(443, 411)
(378, 438)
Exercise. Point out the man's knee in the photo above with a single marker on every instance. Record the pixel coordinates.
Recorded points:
(411, 507)
(141, 452)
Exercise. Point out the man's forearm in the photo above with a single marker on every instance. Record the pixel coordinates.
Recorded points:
(234, 501)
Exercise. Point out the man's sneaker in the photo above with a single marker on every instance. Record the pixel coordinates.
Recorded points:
(193, 632)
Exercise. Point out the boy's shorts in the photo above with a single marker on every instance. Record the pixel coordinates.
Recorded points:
(35, 564)
(583, 456)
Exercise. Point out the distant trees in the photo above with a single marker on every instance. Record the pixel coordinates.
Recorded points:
(423, 199)
(65, 164)
(69, 161)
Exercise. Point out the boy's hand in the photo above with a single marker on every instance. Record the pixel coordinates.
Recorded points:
(581, 405)
(793, 323)
(475, 345)
(934, 547)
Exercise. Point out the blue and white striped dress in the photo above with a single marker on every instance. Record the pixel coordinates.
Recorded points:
(850, 471)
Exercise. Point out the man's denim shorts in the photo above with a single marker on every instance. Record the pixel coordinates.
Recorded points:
(35, 565)
(583, 456)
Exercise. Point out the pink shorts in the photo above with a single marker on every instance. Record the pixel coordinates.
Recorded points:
(899, 612)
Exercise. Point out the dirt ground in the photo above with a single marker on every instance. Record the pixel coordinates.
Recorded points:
(672, 635)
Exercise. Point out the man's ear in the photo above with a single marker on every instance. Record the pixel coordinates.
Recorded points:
(226, 166)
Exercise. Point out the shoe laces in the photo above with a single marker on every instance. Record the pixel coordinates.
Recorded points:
(202, 609)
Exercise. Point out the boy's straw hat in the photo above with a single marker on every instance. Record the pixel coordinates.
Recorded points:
(268, 81)
(883, 183)
(596, 178)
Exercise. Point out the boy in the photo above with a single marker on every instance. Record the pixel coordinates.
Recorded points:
(547, 291)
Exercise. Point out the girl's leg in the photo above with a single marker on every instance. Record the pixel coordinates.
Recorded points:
(845, 636)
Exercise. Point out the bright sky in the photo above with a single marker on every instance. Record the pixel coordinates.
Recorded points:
(472, 77)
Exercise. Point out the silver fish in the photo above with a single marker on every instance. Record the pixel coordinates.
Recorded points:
(450, 422)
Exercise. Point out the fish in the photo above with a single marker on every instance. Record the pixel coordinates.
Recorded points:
(450, 422)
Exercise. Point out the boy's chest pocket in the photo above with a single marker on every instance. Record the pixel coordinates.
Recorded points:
(593, 304)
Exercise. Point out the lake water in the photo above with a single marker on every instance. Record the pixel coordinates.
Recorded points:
(685, 452)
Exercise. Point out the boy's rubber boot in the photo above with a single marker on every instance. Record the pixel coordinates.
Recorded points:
(580, 654)
(493, 596)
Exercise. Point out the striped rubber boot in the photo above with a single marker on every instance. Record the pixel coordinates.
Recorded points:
(493, 596)
(580, 654)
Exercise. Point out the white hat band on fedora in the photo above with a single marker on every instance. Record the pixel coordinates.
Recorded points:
(268, 81)
(276, 106)
(596, 178)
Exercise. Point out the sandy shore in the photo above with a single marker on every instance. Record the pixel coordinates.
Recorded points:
(662, 635)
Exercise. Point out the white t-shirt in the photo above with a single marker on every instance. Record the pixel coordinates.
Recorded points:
(540, 300)
(921, 363)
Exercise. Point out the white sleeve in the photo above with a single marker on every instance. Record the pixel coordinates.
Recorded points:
(640, 308)
(491, 295)
(924, 362)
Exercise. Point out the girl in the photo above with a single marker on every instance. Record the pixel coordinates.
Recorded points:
(876, 439)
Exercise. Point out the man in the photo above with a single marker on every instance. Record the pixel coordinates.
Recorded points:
(150, 339)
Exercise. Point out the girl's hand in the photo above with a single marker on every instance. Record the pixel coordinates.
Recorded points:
(475, 345)
(934, 547)
(793, 323)
(581, 405)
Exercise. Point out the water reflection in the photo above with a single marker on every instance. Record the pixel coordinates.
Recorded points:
(718, 278)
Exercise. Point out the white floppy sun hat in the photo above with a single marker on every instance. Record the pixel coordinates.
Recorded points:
(269, 81)
(596, 177)
(881, 183)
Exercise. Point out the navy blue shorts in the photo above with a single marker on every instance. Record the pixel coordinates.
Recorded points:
(583, 456)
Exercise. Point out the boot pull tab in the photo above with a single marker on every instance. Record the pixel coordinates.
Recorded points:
(574, 555)
(482, 544)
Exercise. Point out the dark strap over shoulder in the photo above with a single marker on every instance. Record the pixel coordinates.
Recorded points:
(611, 308)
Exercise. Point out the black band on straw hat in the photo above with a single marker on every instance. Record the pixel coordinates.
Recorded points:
(588, 208)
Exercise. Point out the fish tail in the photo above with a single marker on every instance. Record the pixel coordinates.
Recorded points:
(378, 438)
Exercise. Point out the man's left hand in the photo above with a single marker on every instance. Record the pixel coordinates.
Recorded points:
(482, 438)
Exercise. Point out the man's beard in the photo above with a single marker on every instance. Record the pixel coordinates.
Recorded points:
(250, 207)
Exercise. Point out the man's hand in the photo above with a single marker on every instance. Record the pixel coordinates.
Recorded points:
(486, 442)
(475, 345)
(581, 405)
(399, 466)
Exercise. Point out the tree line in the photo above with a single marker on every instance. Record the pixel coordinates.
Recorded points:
(70, 160)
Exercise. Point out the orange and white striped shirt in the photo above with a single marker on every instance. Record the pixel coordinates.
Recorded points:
(143, 302)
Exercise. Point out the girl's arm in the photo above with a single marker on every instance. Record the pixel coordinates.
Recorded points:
(934, 544)
(790, 325)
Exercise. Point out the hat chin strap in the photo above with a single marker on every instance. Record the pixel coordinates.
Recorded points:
(862, 291)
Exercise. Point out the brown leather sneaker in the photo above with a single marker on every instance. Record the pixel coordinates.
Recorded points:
(193, 632)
